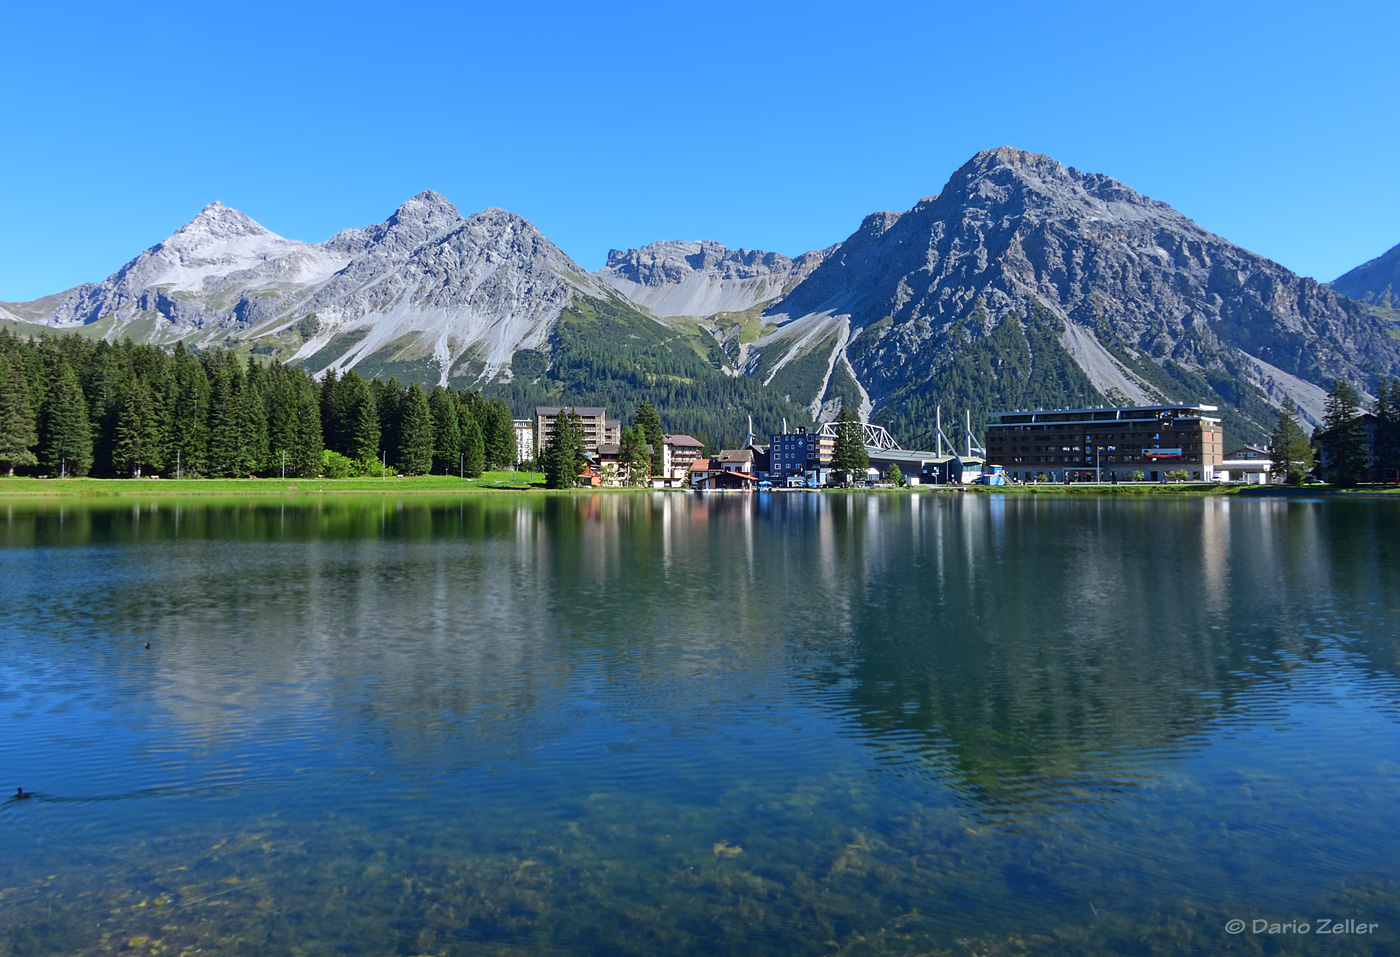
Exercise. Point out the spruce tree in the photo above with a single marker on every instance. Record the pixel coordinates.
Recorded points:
(1288, 447)
(565, 455)
(415, 452)
(498, 431)
(137, 446)
(67, 431)
(360, 419)
(850, 457)
(307, 454)
(18, 429)
(1344, 436)
(633, 455)
(283, 418)
(473, 448)
(332, 420)
(387, 401)
(225, 453)
(190, 422)
(650, 422)
(252, 423)
(447, 432)
(1387, 439)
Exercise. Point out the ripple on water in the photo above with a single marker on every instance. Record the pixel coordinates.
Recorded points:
(632, 726)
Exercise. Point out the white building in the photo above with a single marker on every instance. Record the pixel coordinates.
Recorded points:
(524, 440)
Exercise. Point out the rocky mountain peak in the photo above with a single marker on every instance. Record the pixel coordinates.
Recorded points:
(1134, 299)
(425, 207)
(1376, 282)
(702, 277)
(214, 223)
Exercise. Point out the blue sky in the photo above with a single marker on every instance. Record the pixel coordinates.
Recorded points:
(768, 126)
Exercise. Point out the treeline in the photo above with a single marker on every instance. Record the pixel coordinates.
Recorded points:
(1352, 445)
(74, 406)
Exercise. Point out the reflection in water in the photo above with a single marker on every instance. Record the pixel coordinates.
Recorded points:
(543, 723)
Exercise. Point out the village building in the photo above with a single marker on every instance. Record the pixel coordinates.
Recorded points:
(1107, 444)
(681, 453)
(524, 440)
(598, 429)
(735, 460)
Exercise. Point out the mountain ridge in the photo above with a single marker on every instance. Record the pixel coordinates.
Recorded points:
(1021, 281)
(1375, 282)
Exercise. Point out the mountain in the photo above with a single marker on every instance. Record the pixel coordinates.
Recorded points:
(703, 279)
(1024, 283)
(1376, 282)
(1027, 283)
(427, 291)
(428, 295)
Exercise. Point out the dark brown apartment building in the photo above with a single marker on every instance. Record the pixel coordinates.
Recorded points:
(1106, 444)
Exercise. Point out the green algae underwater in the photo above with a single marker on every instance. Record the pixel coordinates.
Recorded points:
(796, 724)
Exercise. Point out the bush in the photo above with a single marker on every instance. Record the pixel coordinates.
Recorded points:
(337, 466)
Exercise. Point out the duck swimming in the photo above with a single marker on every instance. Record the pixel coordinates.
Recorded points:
(20, 795)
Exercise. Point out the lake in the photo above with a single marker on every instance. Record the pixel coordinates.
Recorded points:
(663, 723)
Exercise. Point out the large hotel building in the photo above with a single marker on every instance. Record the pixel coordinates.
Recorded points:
(1106, 444)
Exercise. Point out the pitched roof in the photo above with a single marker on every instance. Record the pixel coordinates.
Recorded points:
(683, 442)
(700, 465)
(736, 455)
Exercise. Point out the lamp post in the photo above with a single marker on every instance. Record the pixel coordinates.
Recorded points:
(461, 466)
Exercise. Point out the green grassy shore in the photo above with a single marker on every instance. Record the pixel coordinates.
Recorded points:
(199, 488)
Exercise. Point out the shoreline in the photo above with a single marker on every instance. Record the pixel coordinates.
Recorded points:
(525, 483)
(97, 488)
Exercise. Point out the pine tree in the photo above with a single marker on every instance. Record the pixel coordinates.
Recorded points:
(67, 431)
(473, 448)
(1343, 436)
(633, 455)
(252, 422)
(447, 432)
(310, 444)
(850, 457)
(650, 422)
(360, 418)
(387, 401)
(190, 422)
(137, 441)
(498, 431)
(104, 390)
(565, 455)
(332, 420)
(283, 418)
(225, 455)
(18, 432)
(1387, 440)
(415, 453)
(1289, 448)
